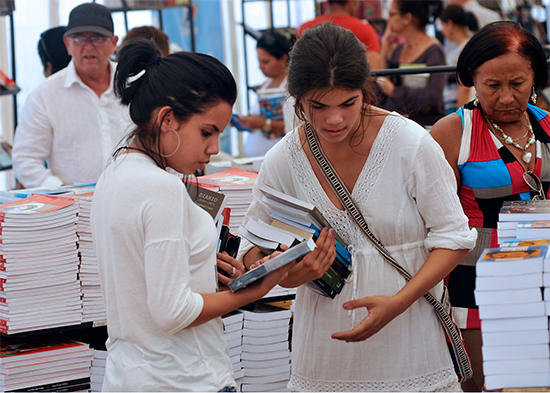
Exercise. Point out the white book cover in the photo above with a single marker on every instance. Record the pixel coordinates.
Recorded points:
(533, 280)
(515, 338)
(262, 340)
(511, 352)
(518, 310)
(523, 366)
(530, 380)
(504, 296)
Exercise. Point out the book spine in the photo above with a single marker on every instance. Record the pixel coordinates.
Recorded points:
(58, 386)
(333, 279)
(322, 288)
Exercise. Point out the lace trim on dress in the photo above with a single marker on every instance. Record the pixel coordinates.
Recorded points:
(444, 380)
(340, 219)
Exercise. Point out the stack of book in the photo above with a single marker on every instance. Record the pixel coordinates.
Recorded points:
(233, 326)
(46, 363)
(93, 306)
(265, 354)
(236, 184)
(514, 321)
(519, 220)
(39, 286)
(292, 222)
(97, 370)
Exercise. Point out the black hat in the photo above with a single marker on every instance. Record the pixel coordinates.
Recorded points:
(90, 17)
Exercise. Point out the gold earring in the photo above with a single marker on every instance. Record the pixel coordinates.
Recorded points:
(476, 99)
(534, 96)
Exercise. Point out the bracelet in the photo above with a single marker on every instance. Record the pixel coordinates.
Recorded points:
(267, 126)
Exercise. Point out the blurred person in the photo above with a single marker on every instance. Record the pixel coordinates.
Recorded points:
(266, 118)
(499, 148)
(342, 13)
(420, 97)
(456, 26)
(483, 14)
(73, 121)
(149, 33)
(52, 51)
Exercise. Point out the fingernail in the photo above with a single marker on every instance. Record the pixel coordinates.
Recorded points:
(346, 305)
(325, 229)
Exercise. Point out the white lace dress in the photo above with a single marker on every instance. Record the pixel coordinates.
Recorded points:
(407, 194)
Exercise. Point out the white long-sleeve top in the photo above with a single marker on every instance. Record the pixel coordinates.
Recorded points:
(156, 252)
(407, 193)
(65, 124)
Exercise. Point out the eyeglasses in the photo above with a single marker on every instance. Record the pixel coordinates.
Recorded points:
(535, 185)
(96, 40)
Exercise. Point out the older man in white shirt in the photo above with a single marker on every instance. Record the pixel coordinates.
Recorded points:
(73, 121)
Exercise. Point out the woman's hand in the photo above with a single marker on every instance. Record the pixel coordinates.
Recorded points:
(382, 309)
(253, 122)
(231, 266)
(315, 263)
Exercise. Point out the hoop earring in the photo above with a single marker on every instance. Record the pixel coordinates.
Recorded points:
(177, 148)
(534, 96)
(476, 99)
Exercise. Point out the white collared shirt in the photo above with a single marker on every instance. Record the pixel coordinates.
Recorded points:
(65, 124)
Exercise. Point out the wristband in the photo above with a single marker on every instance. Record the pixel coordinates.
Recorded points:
(267, 126)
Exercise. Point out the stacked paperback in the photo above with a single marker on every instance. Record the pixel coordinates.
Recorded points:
(518, 220)
(233, 326)
(294, 221)
(39, 286)
(97, 371)
(93, 306)
(236, 184)
(46, 363)
(514, 317)
(265, 349)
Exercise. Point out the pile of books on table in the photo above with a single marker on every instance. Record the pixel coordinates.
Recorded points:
(93, 306)
(510, 284)
(233, 326)
(518, 220)
(265, 349)
(236, 184)
(39, 286)
(97, 370)
(44, 363)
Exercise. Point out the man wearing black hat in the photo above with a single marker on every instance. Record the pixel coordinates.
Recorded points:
(73, 120)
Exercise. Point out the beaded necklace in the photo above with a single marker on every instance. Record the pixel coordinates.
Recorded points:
(526, 157)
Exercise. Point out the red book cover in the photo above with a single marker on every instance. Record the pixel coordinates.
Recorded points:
(34, 205)
(13, 349)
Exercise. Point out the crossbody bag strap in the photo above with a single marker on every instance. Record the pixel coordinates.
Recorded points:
(346, 199)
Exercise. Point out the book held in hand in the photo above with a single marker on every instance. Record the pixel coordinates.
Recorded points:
(272, 264)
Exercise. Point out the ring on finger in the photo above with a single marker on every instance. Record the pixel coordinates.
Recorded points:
(234, 271)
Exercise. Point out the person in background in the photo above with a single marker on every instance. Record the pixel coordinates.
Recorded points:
(499, 148)
(149, 33)
(73, 121)
(418, 96)
(52, 51)
(342, 13)
(266, 117)
(377, 334)
(456, 25)
(156, 249)
(483, 14)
